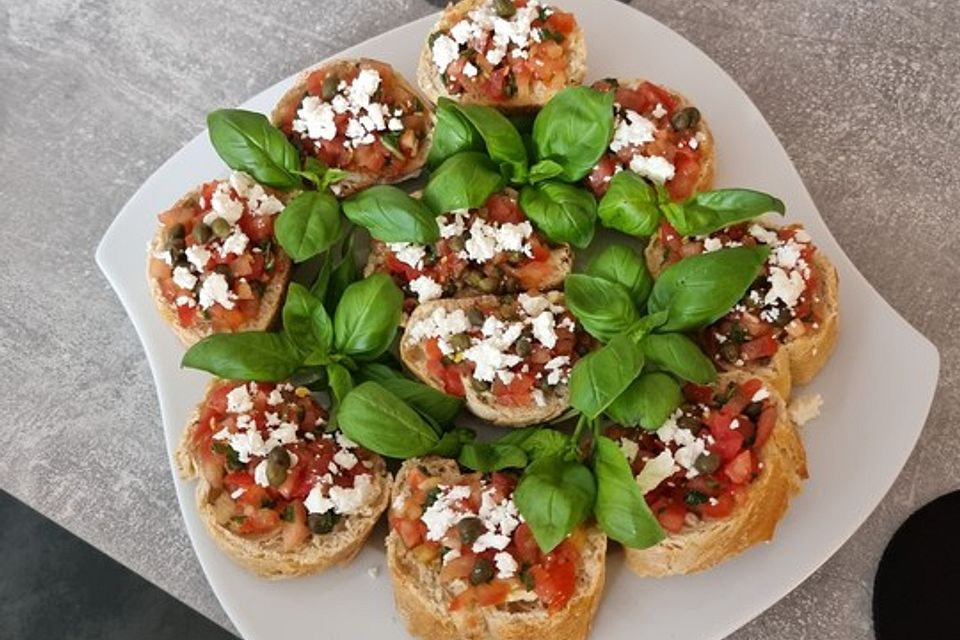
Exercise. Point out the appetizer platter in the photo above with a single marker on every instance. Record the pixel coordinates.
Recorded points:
(537, 306)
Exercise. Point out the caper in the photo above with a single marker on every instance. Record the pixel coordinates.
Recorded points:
(475, 316)
(330, 84)
(220, 228)
(730, 351)
(278, 461)
(460, 341)
(488, 284)
(707, 463)
(515, 257)
(482, 571)
(322, 523)
(685, 118)
(201, 233)
(782, 317)
(753, 410)
(176, 231)
(469, 530)
(505, 8)
(175, 245)
(523, 347)
(455, 243)
(472, 278)
(689, 423)
(479, 385)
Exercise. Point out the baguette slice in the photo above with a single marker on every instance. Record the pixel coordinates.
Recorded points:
(265, 555)
(358, 180)
(799, 359)
(705, 144)
(754, 520)
(270, 305)
(423, 603)
(482, 404)
(428, 76)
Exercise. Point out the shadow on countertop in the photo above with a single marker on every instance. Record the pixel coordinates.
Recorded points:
(54, 585)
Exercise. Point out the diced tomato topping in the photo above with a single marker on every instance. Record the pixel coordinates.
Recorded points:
(504, 209)
(686, 164)
(260, 521)
(740, 468)
(186, 315)
(671, 241)
(742, 397)
(765, 424)
(515, 394)
(724, 504)
(459, 568)
(762, 347)
(728, 445)
(644, 98)
(413, 532)
(555, 580)
(698, 393)
(528, 551)
(561, 21)
(672, 517)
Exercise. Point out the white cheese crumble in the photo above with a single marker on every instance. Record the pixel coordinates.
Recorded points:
(409, 253)
(656, 168)
(426, 288)
(198, 256)
(224, 206)
(260, 474)
(443, 514)
(215, 290)
(805, 408)
(239, 400)
(658, 111)
(183, 278)
(656, 471)
(342, 500)
(345, 459)
(543, 329)
(236, 243)
(632, 130)
(630, 449)
(506, 565)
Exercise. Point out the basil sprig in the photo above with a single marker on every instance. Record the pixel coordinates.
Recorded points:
(555, 496)
(309, 224)
(620, 264)
(620, 508)
(678, 354)
(602, 307)
(464, 181)
(365, 321)
(390, 215)
(573, 130)
(452, 134)
(501, 139)
(630, 205)
(378, 420)
(563, 212)
(701, 289)
(599, 377)
(252, 355)
(437, 405)
(246, 141)
(647, 402)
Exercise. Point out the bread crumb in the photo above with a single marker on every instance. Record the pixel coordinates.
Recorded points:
(373, 572)
(803, 409)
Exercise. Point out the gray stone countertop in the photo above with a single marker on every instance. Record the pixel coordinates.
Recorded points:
(96, 95)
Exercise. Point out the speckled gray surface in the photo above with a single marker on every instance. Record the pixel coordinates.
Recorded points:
(97, 94)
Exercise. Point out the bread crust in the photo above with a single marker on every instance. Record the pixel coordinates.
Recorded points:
(754, 520)
(265, 555)
(423, 604)
(270, 305)
(799, 359)
(358, 180)
(482, 405)
(428, 78)
(706, 144)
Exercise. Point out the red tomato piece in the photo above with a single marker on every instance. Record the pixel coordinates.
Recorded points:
(765, 424)
(503, 209)
(762, 347)
(740, 469)
(412, 532)
(528, 551)
(724, 504)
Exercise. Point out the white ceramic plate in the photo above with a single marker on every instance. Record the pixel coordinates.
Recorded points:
(855, 449)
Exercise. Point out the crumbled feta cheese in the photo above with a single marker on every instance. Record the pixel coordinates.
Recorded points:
(345, 459)
(408, 253)
(656, 471)
(762, 394)
(456, 226)
(183, 278)
(658, 111)
(543, 329)
(440, 324)
(275, 398)
(198, 256)
(215, 290)
(763, 235)
(787, 288)
(533, 305)
(239, 400)
(489, 358)
(223, 206)
(185, 301)
(236, 243)
(630, 449)
(712, 244)
(445, 50)
(344, 442)
(632, 130)
(426, 288)
(260, 474)
(469, 70)
(482, 243)
(693, 143)
(656, 168)
(506, 565)
(805, 408)
(557, 368)
(442, 514)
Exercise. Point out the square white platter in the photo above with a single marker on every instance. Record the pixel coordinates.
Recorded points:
(859, 414)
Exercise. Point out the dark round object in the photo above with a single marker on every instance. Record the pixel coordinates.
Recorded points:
(917, 588)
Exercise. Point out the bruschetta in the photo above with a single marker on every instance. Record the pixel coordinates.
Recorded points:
(490, 250)
(278, 492)
(358, 116)
(658, 135)
(510, 356)
(510, 54)
(786, 326)
(465, 566)
(718, 474)
(214, 264)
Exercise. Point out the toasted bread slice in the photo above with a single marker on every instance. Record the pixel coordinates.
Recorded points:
(424, 604)
(357, 180)
(483, 404)
(432, 85)
(701, 131)
(270, 305)
(753, 520)
(265, 555)
(799, 359)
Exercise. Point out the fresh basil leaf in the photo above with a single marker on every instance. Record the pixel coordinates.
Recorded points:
(604, 308)
(620, 508)
(250, 355)
(647, 402)
(309, 224)
(678, 354)
(600, 377)
(574, 129)
(464, 181)
(333, 176)
(503, 142)
(379, 421)
(305, 321)
(452, 441)
(647, 324)
(710, 211)
(537, 442)
(555, 496)
(390, 215)
(343, 275)
(701, 289)
(246, 141)
(439, 406)
(365, 321)
(452, 134)
(621, 264)
(322, 281)
(630, 205)
(544, 170)
(487, 457)
(563, 212)
(340, 381)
